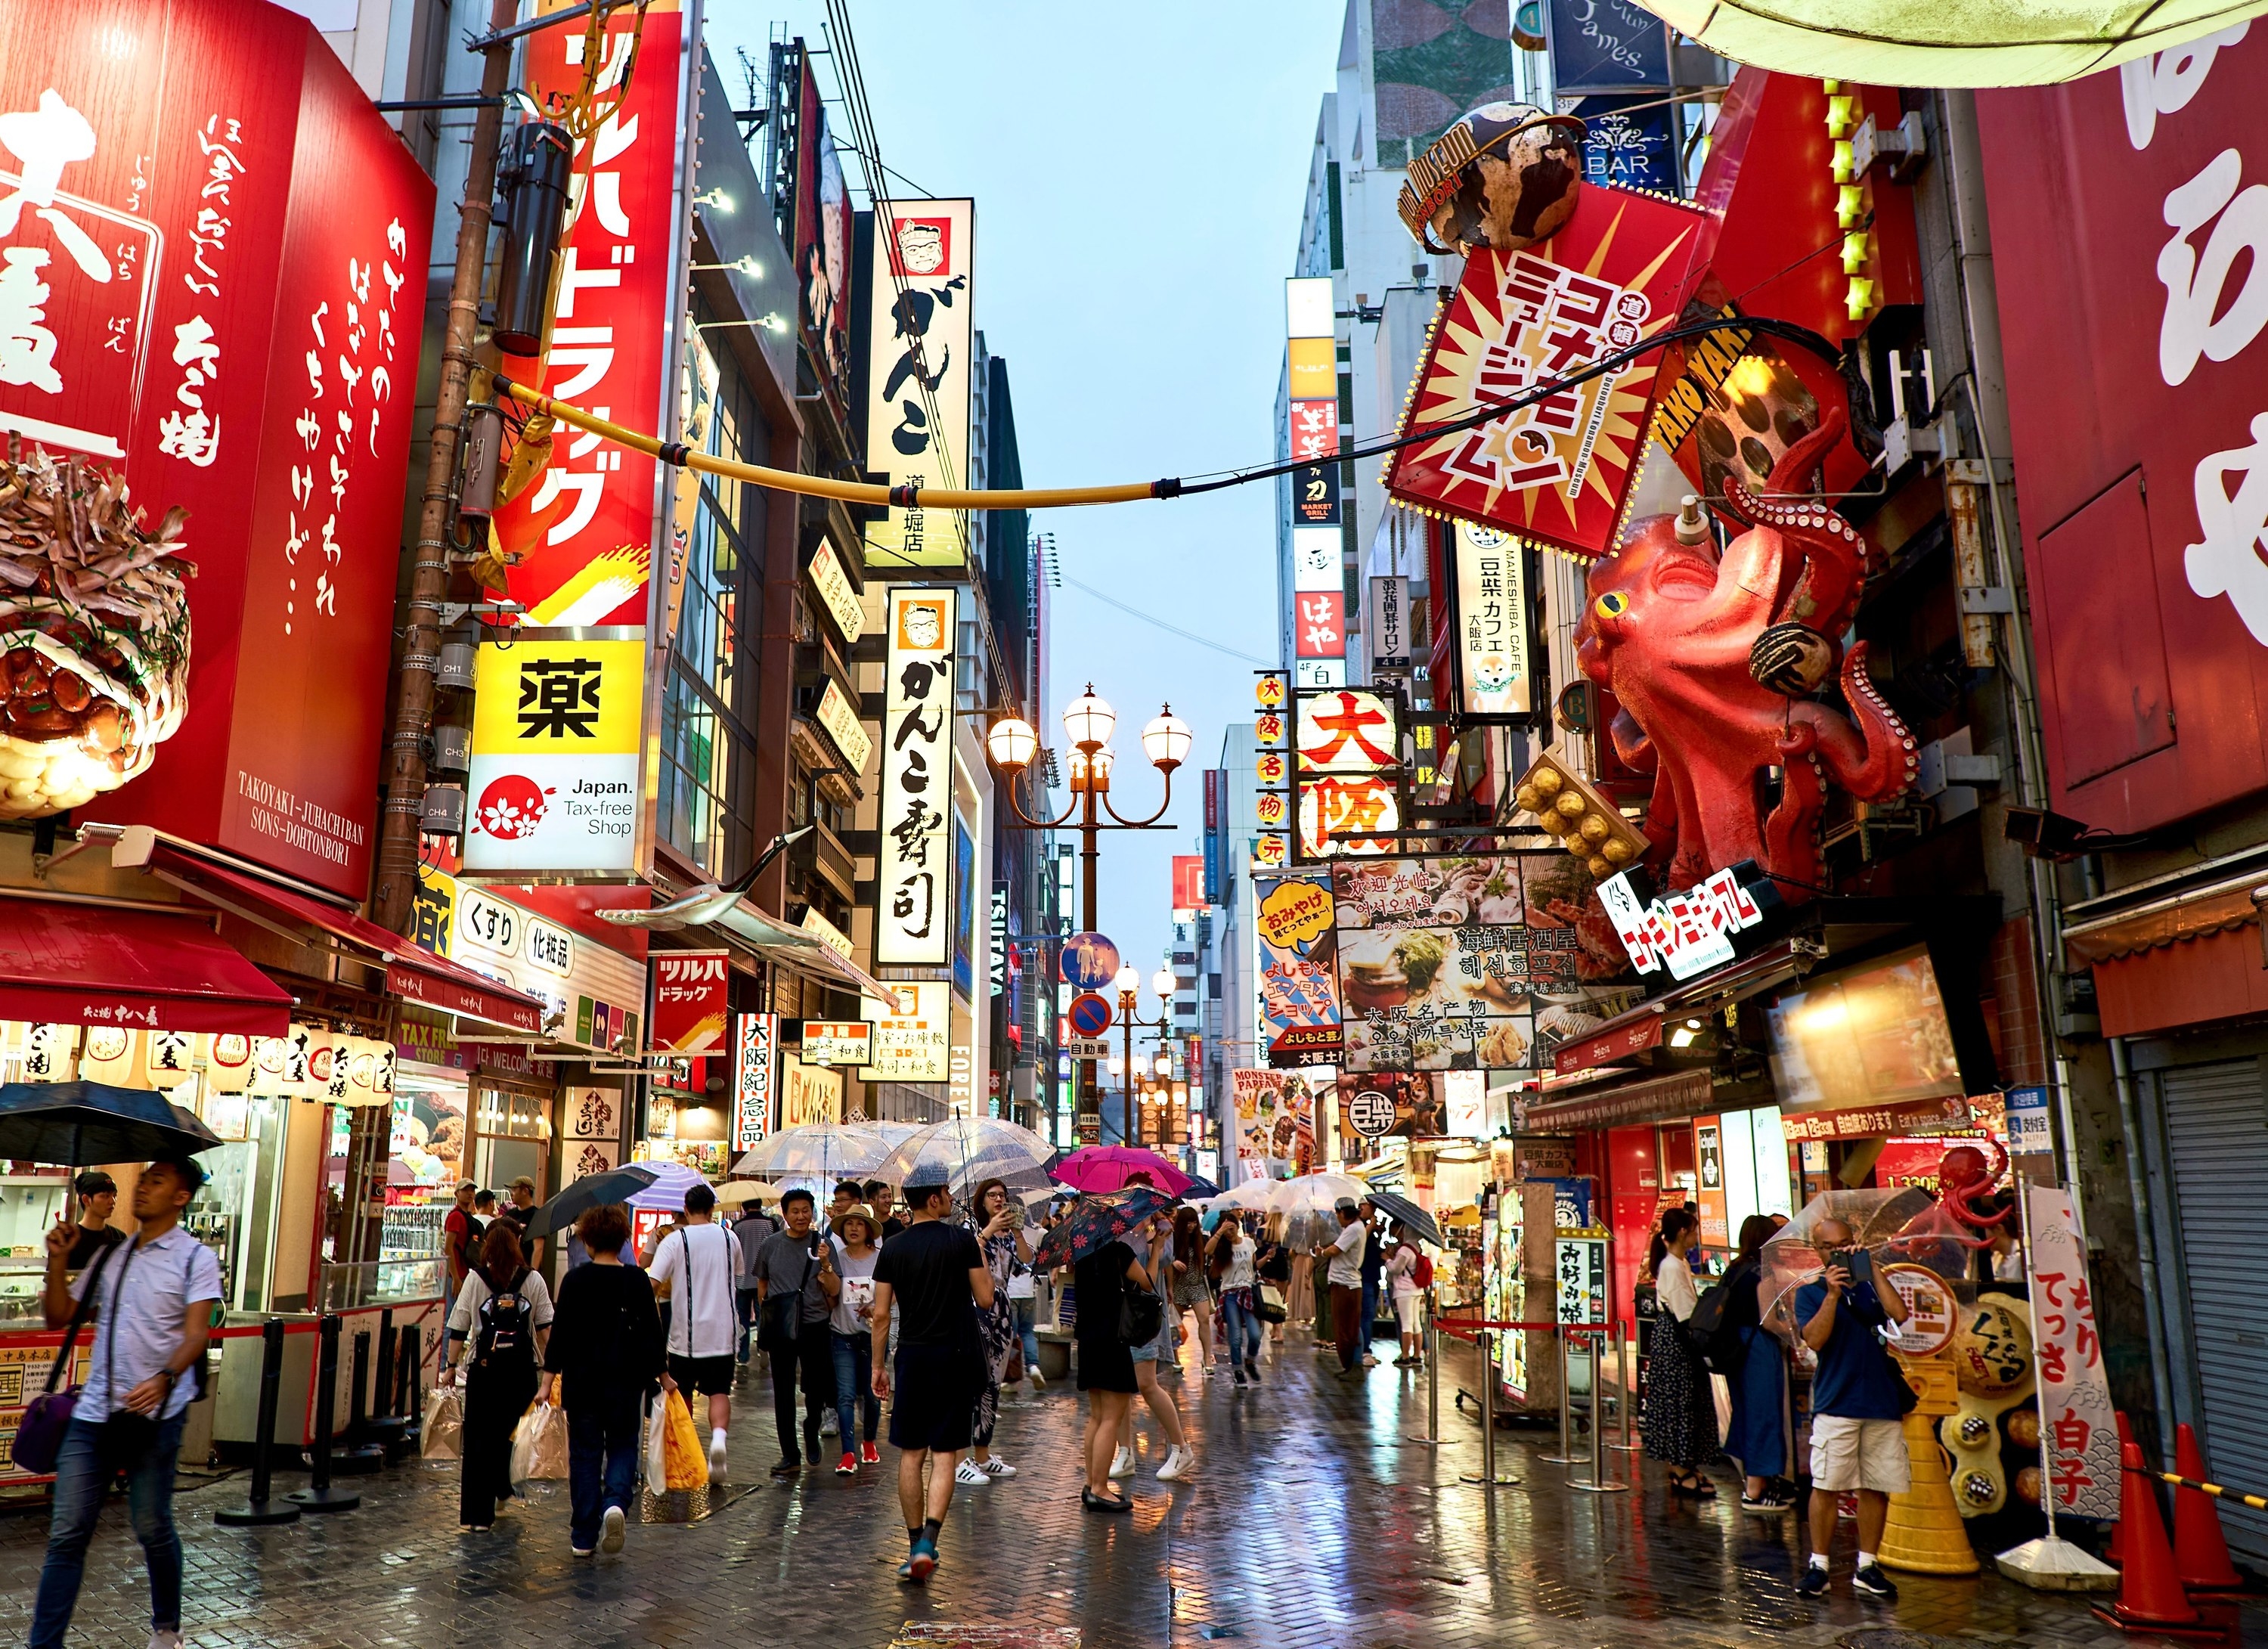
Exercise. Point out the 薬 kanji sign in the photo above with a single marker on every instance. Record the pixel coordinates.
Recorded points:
(554, 785)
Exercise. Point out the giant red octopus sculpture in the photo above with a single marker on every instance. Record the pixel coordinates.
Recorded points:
(1711, 660)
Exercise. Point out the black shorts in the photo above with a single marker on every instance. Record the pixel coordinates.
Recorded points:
(931, 1404)
(711, 1375)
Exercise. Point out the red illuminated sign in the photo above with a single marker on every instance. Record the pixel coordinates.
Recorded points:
(1315, 429)
(1318, 621)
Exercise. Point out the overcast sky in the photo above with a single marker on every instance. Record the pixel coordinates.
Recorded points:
(1138, 172)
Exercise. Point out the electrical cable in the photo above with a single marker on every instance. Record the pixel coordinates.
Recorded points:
(1186, 634)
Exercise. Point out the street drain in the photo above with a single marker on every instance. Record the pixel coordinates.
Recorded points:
(1890, 1637)
(945, 1635)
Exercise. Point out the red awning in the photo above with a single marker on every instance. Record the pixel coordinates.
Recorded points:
(411, 972)
(78, 964)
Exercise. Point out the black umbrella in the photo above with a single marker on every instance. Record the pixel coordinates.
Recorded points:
(593, 1191)
(77, 1122)
(1408, 1215)
(1096, 1221)
(1199, 1186)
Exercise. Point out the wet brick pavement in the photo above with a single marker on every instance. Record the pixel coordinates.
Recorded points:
(1312, 1524)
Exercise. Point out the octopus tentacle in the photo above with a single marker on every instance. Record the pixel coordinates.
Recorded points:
(1834, 556)
(1872, 755)
(1792, 831)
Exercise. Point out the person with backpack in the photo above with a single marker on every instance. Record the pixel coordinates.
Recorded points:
(1411, 1274)
(1681, 1414)
(500, 1324)
(605, 1353)
(1106, 1278)
(1749, 1356)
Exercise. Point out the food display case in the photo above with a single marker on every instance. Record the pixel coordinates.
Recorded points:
(29, 1203)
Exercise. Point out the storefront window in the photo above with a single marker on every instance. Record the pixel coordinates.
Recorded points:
(423, 1168)
(511, 1138)
(234, 1214)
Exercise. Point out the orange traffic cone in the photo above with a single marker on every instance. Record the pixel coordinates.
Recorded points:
(2150, 1595)
(2115, 1553)
(2201, 1552)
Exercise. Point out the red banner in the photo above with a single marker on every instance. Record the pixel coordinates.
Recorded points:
(1559, 472)
(214, 280)
(1319, 618)
(584, 531)
(690, 992)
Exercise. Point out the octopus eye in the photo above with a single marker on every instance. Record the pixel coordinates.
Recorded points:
(1613, 604)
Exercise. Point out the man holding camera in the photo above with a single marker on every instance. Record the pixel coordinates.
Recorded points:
(1859, 1400)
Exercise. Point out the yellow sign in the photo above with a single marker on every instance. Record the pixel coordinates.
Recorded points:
(554, 785)
(559, 698)
(1295, 915)
(1314, 369)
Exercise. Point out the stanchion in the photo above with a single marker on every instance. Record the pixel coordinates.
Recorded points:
(1487, 1476)
(1566, 1457)
(1598, 1483)
(1625, 1392)
(319, 1496)
(259, 1510)
(358, 1456)
(1431, 1342)
(412, 1365)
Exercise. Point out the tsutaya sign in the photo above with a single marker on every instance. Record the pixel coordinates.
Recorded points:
(913, 868)
(1691, 931)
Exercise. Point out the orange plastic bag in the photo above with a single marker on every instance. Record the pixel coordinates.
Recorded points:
(684, 1465)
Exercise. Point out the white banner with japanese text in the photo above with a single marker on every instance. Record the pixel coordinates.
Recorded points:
(913, 916)
(2078, 1430)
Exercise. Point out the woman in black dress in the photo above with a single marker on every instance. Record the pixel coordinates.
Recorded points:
(1106, 1364)
(1681, 1412)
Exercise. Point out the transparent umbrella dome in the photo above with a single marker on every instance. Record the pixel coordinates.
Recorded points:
(823, 1151)
(967, 1149)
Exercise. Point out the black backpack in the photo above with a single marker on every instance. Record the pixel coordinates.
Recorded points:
(1717, 1342)
(507, 1324)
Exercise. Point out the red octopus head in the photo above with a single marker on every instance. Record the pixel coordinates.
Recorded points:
(1627, 592)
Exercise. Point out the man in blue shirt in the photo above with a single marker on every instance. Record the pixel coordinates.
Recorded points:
(1858, 1407)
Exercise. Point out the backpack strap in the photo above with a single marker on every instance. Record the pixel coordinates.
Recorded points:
(80, 1313)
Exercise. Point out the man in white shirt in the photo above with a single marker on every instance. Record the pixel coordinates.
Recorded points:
(1344, 1279)
(154, 1297)
(701, 1263)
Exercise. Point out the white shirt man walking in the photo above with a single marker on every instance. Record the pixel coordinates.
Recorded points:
(154, 1295)
(701, 1263)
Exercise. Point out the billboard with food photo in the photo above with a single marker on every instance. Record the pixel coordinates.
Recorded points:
(1474, 962)
(1299, 985)
(1276, 1120)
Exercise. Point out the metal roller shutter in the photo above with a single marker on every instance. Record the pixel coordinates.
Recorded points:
(2217, 1135)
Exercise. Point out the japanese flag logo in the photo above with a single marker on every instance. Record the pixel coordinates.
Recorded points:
(511, 808)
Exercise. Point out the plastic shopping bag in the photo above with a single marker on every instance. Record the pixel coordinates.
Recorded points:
(686, 1467)
(441, 1436)
(657, 1447)
(539, 1445)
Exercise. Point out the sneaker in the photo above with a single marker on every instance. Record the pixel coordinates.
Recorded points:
(1871, 1581)
(970, 1473)
(1771, 1501)
(610, 1530)
(827, 1426)
(1122, 1464)
(1814, 1583)
(869, 1455)
(847, 1466)
(580, 1551)
(994, 1467)
(1180, 1463)
(920, 1564)
(1368, 1361)
(1238, 1369)
(716, 1460)
(1039, 1381)
(1252, 1370)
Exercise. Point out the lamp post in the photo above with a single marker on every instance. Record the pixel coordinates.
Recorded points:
(1012, 744)
(1129, 984)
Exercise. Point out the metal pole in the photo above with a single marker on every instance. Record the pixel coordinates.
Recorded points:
(319, 1496)
(1487, 1477)
(1625, 1396)
(1566, 1457)
(260, 1510)
(1433, 1438)
(1598, 1482)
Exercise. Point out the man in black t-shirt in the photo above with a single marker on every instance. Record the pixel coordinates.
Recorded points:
(98, 1199)
(936, 1276)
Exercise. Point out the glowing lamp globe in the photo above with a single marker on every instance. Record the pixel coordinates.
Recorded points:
(1165, 1064)
(1130, 979)
(1088, 720)
(1013, 743)
(1162, 983)
(1166, 739)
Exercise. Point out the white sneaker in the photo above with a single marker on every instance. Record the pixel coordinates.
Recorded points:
(1180, 1463)
(610, 1530)
(970, 1473)
(827, 1426)
(1039, 1381)
(1122, 1464)
(716, 1460)
(993, 1466)
(165, 1640)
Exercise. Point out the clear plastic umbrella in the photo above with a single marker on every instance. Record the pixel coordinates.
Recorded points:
(1308, 1203)
(1792, 1259)
(1249, 1197)
(967, 1149)
(816, 1150)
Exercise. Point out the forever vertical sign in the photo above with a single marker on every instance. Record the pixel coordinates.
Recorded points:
(912, 925)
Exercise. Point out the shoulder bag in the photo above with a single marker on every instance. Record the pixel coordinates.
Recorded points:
(40, 1433)
(1141, 1314)
(782, 1315)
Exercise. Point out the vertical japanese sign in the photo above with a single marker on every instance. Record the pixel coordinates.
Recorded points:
(689, 992)
(2079, 1434)
(919, 340)
(913, 917)
(1492, 620)
(210, 245)
(1188, 880)
(554, 785)
(755, 1051)
(1387, 623)
(911, 1046)
(585, 532)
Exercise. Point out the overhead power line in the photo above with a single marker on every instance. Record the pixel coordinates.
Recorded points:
(1151, 618)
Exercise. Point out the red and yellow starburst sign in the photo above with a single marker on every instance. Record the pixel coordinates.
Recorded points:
(1558, 471)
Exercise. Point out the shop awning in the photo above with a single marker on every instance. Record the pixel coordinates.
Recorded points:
(1647, 1100)
(1640, 1031)
(67, 963)
(411, 972)
(2192, 913)
(727, 911)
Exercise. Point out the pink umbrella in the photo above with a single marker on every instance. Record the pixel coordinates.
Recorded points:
(1095, 1168)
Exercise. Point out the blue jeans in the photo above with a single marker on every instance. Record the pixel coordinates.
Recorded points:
(602, 1456)
(854, 1385)
(1369, 1316)
(1028, 1329)
(1243, 1327)
(745, 1304)
(81, 1480)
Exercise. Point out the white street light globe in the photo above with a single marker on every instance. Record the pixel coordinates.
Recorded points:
(1013, 743)
(1165, 1064)
(1117, 1066)
(1088, 720)
(1166, 739)
(1162, 983)
(1098, 763)
(1130, 979)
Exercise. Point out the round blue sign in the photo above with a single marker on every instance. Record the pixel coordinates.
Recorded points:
(1089, 961)
(1090, 1014)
